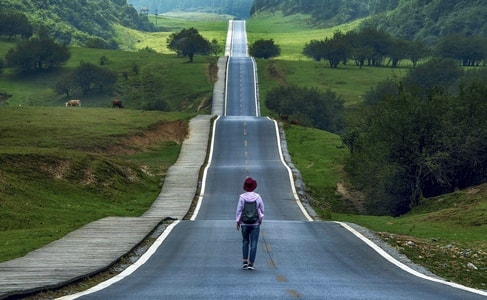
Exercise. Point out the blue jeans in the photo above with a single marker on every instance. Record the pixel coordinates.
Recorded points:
(250, 237)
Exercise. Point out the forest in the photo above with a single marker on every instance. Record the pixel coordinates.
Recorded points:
(237, 8)
(81, 23)
(408, 19)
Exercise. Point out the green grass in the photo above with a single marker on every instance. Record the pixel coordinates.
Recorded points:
(291, 33)
(209, 26)
(442, 228)
(183, 85)
(38, 140)
(61, 168)
(448, 231)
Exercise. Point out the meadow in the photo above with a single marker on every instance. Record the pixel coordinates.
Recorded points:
(40, 205)
(443, 234)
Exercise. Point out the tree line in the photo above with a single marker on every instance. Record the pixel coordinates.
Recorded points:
(238, 8)
(15, 24)
(72, 22)
(407, 19)
(421, 136)
(374, 47)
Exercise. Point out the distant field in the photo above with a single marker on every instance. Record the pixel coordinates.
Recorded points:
(290, 32)
(47, 151)
(61, 168)
(209, 26)
(177, 80)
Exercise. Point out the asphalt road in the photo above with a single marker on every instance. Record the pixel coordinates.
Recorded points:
(297, 258)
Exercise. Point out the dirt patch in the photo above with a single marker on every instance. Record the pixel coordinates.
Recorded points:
(355, 198)
(161, 132)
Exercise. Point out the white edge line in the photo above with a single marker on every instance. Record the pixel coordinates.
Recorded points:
(226, 86)
(290, 173)
(392, 260)
(131, 269)
(257, 108)
(205, 172)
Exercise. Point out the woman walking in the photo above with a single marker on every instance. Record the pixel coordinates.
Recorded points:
(249, 215)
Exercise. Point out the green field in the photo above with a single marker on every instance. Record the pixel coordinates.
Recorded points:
(64, 167)
(58, 170)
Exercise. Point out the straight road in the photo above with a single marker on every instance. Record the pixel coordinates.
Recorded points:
(297, 257)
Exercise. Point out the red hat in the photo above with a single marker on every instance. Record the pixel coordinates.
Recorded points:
(249, 184)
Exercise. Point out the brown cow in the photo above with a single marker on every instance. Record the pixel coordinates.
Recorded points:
(117, 103)
(73, 103)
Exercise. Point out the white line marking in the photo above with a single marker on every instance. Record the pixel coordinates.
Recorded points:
(392, 260)
(205, 173)
(290, 174)
(131, 269)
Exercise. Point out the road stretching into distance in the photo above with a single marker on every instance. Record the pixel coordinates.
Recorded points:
(296, 258)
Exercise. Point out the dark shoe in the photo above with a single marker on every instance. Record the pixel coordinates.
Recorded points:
(245, 266)
(250, 267)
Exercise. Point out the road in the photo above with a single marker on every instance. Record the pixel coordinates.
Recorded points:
(297, 258)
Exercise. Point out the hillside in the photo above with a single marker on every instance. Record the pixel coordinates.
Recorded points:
(427, 20)
(79, 22)
(410, 19)
(237, 8)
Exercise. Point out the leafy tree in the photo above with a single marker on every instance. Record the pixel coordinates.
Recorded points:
(14, 23)
(308, 106)
(467, 50)
(90, 77)
(215, 47)
(37, 54)
(188, 42)
(409, 144)
(65, 86)
(314, 49)
(336, 49)
(417, 50)
(264, 49)
(437, 74)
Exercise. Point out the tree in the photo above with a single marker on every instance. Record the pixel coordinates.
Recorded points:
(12, 24)
(314, 49)
(308, 106)
(91, 77)
(188, 42)
(417, 50)
(37, 54)
(336, 49)
(468, 51)
(264, 49)
(409, 144)
(215, 47)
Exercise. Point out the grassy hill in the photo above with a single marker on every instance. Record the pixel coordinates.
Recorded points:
(58, 165)
(444, 234)
(61, 168)
(409, 19)
(79, 22)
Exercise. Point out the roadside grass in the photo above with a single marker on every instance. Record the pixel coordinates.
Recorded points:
(447, 231)
(182, 85)
(291, 33)
(349, 82)
(61, 168)
(444, 234)
(208, 25)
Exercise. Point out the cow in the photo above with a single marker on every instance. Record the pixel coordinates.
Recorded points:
(117, 103)
(73, 103)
